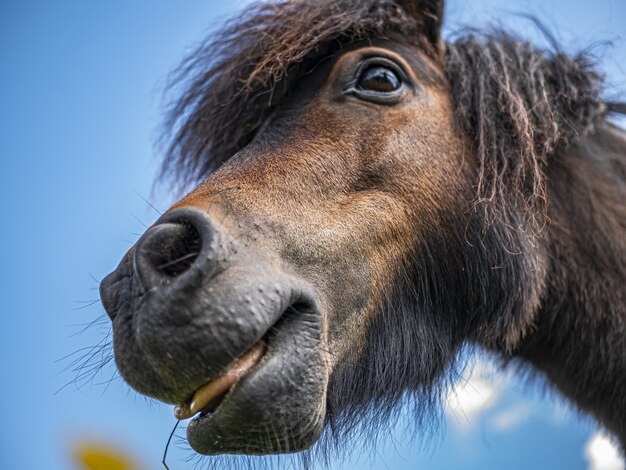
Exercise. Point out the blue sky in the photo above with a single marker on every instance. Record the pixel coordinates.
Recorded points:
(81, 90)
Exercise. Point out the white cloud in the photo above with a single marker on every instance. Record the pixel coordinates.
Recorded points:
(510, 417)
(474, 394)
(602, 454)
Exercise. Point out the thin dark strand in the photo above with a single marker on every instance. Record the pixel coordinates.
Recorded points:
(85, 376)
(78, 351)
(178, 260)
(89, 372)
(148, 202)
(140, 221)
(91, 361)
(101, 320)
(167, 445)
(106, 382)
(82, 307)
(541, 27)
(102, 344)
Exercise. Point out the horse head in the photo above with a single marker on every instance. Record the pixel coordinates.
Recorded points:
(339, 250)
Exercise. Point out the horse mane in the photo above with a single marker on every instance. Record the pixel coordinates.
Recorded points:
(519, 105)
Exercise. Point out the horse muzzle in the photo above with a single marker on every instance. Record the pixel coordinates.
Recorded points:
(206, 322)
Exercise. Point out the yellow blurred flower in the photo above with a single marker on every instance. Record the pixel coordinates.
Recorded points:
(94, 456)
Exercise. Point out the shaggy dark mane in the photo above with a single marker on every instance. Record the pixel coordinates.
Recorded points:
(518, 105)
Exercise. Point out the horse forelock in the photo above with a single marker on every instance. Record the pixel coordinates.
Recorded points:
(228, 86)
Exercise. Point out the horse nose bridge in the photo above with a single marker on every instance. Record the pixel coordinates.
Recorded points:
(183, 247)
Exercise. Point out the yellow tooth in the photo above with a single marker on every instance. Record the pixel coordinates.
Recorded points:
(221, 384)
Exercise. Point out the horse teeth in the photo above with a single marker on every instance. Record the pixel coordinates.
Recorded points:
(205, 395)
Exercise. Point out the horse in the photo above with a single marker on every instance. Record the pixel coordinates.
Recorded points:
(368, 200)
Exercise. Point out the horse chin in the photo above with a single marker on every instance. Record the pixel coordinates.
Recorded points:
(278, 407)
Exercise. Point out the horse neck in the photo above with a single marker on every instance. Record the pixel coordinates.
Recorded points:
(580, 336)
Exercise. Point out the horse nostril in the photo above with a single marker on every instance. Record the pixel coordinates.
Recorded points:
(166, 251)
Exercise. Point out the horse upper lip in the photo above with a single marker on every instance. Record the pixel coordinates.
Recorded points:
(210, 392)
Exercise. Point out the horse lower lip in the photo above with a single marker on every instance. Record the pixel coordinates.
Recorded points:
(210, 395)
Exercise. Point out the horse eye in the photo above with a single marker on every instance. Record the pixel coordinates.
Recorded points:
(379, 79)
